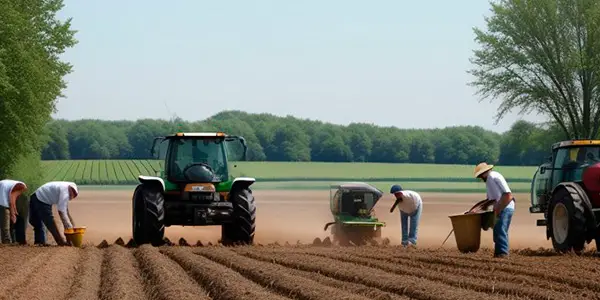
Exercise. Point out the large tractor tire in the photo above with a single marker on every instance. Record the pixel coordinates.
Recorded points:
(241, 230)
(148, 215)
(566, 220)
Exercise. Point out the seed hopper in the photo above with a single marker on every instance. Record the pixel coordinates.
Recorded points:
(352, 206)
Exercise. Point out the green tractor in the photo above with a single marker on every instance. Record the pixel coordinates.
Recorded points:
(194, 188)
(352, 206)
(566, 189)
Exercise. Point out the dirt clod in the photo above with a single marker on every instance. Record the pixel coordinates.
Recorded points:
(103, 244)
(131, 244)
(120, 242)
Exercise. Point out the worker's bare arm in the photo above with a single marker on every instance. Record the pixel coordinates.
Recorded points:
(65, 219)
(70, 217)
(504, 201)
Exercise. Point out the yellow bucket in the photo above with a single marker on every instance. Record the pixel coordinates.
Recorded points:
(75, 235)
(467, 231)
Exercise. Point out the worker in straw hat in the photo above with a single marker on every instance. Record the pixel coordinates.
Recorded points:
(57, 193)
(10, 190)
(410, 205)
(504, 205)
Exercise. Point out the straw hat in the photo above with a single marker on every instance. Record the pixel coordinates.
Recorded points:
(482, 168)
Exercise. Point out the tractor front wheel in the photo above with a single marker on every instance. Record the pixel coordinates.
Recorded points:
(148, 215)
(566, 221)
(241, 229)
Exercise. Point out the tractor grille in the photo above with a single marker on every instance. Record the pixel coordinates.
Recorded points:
(204, 197)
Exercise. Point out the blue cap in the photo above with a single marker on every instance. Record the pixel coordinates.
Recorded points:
(395, 188)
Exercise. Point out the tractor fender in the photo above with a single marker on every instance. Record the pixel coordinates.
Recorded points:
(149, 179)
(242, 183)
(587, 207)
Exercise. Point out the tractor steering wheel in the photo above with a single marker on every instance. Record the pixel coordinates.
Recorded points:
(196, 164)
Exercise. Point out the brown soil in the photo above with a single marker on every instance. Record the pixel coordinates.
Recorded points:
(290, 272)
(299, 216)
(293, 258)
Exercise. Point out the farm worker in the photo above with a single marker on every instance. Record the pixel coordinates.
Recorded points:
(19, 228)
(410, 205)
(504, 206)
(10, 190)
(57, 193)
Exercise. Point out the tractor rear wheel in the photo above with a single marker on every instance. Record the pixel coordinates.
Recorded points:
(241, 229)
(567, 223)
(148, 215)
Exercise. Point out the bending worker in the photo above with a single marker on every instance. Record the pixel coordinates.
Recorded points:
(57, 193)
(504, 206)
(410, 205)
(10, 190)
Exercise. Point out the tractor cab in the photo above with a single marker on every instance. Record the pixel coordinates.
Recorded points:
(353, 199)
(566, 189)
(198, 157)
(568, 162)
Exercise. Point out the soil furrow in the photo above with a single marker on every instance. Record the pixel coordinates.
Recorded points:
(542, 269)
(87, 279)
(121, 278)
(489, 273)
(276, 277)
(482, 272)
(222, 283)
(356, 288)
(408, 285)
(164, 278)
(473, 281)
(52, 279)
(533, 284)
(20, 265)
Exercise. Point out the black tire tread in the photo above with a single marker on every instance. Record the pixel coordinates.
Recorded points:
(153, 216)
(577, 225)
(243, 226)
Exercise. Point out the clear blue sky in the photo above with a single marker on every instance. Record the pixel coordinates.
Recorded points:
(392, 63)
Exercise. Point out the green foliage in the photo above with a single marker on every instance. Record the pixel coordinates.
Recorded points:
(31, 76)
(272, 138)
(543, 56)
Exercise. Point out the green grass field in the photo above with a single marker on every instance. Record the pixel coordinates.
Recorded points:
(289, 175)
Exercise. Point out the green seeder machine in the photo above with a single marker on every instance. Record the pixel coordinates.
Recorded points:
(352, 209)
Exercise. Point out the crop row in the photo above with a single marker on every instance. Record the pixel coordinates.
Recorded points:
(276, 272)
(125, 172)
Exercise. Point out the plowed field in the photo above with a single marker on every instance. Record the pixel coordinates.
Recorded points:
(293, 258)
(290, 272)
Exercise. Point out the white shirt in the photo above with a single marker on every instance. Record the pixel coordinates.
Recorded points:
(496, 186)
(410, 201)
(56, 192)
(6, 187)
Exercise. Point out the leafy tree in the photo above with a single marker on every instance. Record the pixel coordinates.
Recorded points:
(31, 74)
(543, 56)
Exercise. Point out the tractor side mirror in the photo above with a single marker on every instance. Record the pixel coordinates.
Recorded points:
(542, 170)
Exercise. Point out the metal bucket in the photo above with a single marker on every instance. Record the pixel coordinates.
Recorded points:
(467, 231)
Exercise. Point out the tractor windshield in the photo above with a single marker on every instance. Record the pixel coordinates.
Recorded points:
(569, 162)
(187, 152)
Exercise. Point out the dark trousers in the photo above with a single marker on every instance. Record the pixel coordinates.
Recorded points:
(41, 217)
(17, 230)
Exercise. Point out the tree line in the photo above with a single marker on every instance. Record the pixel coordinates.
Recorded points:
(273, 138)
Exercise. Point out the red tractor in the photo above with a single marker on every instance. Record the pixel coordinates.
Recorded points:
(566, 189)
